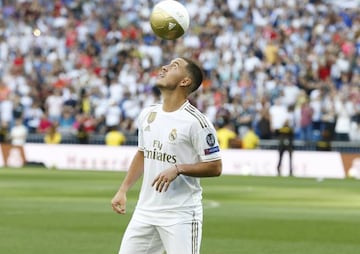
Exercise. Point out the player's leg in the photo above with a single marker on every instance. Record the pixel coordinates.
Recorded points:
(290, 162)
(140, 238)
(281, 153)
(182, 238)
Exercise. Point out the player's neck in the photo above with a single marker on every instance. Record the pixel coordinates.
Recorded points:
(171, 104)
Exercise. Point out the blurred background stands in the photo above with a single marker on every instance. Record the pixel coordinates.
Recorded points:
(93, 63)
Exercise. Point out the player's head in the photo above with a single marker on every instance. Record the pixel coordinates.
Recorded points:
(195, 73)
(180, 72)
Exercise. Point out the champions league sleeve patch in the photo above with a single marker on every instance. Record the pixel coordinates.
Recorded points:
(210, 140)
(212, 150)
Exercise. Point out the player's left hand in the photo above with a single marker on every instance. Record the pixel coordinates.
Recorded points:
(163, 180)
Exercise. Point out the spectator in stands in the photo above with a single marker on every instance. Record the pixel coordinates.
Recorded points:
(100, 125)
(87, 120)
(82, 134)
(18, 133)
(113, 115)
(225, 133)
(33, 117)
(285, 136)
(246, 118)
(263, 125)
(85, 101)
(306, 114)
(52, 136)
(324, 144)
(4, 132)
(17, 108)
(114, 137)
(66, 120)
(345, 110)
(328, 114)
(354, 133)
(316, 106)
(290, 90)
(6, 111)
(250, 140)
(44, 124)
(128, 127)
(4, 91)
(54, 103)
(278, 115)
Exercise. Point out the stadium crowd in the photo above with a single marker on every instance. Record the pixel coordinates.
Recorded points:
(91, 65)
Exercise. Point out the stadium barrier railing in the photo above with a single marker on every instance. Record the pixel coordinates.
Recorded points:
(131, 140)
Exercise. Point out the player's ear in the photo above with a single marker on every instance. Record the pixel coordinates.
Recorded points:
(186, 82)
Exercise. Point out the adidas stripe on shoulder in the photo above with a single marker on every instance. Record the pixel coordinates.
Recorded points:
(198, 115)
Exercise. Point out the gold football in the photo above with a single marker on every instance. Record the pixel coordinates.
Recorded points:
(169, 19)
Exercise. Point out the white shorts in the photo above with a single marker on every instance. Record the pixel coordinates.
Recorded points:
(140, 238)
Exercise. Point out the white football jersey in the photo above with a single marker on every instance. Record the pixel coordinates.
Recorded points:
(184, 136)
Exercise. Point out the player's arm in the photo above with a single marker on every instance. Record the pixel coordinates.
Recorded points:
(200, 169)
(135, 171)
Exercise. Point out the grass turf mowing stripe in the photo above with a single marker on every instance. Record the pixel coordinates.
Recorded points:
(51, 211)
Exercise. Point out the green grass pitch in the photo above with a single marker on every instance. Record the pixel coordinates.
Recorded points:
(68, 212)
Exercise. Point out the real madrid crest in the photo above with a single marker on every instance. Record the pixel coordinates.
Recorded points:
(173, 135)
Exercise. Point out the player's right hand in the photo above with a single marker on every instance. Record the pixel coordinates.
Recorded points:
(118, 202)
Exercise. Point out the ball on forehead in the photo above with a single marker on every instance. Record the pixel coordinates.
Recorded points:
(169, 19)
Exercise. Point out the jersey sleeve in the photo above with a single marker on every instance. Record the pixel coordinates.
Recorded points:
(205, 142)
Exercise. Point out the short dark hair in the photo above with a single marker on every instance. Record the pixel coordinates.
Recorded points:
(196, 74)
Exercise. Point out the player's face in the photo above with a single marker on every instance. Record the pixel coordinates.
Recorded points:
(172, 74)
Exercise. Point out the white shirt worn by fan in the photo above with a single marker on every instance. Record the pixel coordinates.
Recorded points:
(184, 136)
